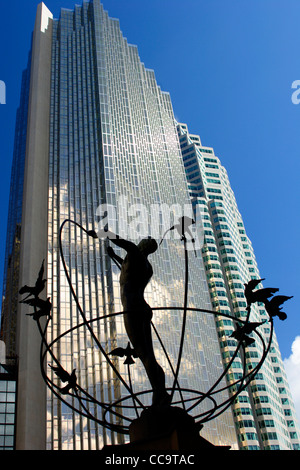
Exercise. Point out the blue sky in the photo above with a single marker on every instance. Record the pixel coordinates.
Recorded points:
(229, 67)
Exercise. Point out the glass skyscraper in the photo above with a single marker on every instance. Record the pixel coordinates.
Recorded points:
(112, 136)
(101, 143)
(264, 413)
(101, 131)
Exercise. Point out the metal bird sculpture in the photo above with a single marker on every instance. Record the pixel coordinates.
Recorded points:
(92, 233)
(260, 295)
(129, 353)
(42, 307)
(64, 376)
(241, 332)
(252, 284)
(273, 306)
(182, 228)
(38, 287)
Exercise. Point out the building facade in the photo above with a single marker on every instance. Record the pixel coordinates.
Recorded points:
(8, 399)
(100, 133)
(264, 413)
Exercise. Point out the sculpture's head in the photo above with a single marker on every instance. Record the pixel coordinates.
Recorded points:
(148, 246)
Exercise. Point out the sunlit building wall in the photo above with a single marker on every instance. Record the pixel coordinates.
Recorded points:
(113, 135)
(101, 131)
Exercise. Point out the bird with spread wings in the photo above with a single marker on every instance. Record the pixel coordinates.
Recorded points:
(41, 307)
(37, 288)
(64, 376)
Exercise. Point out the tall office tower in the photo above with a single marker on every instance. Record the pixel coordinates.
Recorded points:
(264, 413)
(101, 142)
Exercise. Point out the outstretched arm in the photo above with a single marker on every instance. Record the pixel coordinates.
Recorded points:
(117, 259)
(117, 240)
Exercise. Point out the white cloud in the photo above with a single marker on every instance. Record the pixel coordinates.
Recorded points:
(292, 367)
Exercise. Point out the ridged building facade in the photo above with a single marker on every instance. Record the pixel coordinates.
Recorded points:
(101, 131)
(112, 137)
(264, 413)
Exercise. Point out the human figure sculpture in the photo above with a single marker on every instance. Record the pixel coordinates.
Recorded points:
(136, 272)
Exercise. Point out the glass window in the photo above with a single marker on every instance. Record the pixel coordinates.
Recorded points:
(7, 413)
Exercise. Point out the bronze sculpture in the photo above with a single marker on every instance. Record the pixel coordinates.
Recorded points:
(136, 272)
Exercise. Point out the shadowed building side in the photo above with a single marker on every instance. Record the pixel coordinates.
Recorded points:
(31, 409)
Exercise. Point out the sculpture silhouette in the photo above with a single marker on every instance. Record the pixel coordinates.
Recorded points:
(64, 376)
(273, 306)
(136, 272)
(182, 228)
(128, 353)
(241, 332)
(37, 288)
(260, 295)
(41, 307)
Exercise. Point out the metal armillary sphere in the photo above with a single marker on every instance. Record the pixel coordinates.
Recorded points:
(125, 407)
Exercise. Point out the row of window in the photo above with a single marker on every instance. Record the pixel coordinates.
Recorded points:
(7, 413)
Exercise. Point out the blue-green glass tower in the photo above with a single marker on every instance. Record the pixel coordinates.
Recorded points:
(264, 412)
